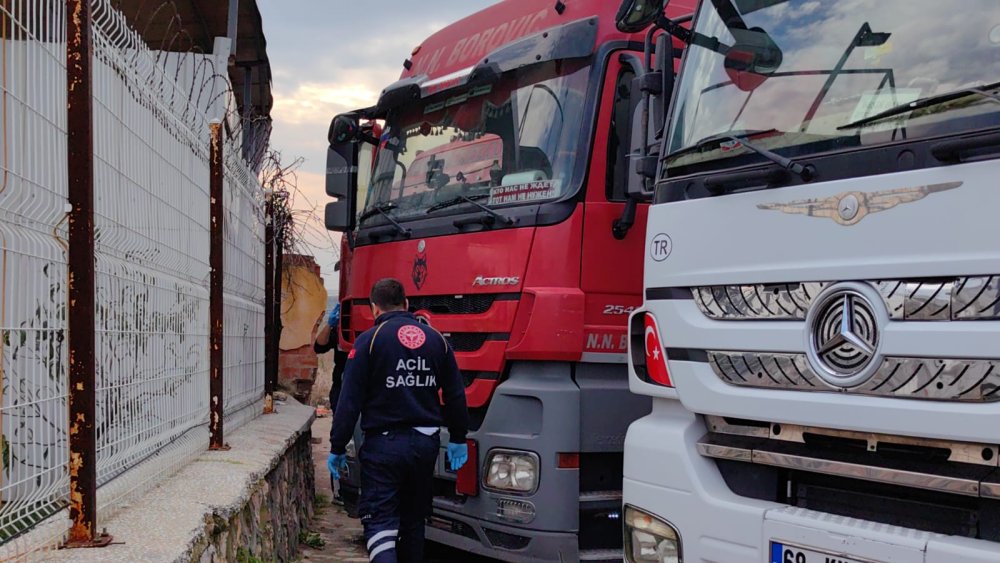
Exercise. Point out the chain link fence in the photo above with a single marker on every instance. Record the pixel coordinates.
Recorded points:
(151, 175)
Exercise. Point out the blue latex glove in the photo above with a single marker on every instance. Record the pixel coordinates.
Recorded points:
(336, 463)
(334, 317)
(458, 454)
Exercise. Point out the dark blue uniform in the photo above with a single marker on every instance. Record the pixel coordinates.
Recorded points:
(392, 379)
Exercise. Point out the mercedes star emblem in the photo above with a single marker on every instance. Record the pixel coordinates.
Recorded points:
(843, 336)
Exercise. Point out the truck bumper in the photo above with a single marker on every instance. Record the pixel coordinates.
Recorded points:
(665, 476)
(495, 540)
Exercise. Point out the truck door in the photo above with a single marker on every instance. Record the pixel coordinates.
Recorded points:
(612, 268)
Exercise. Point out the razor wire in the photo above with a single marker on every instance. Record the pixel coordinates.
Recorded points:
(152, 109)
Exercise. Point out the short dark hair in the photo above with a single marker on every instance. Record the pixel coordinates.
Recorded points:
(388, 294)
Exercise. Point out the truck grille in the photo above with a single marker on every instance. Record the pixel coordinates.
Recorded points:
(474, 304)
(472, 341)
(955, 299)
(930, 485)
(912, 378)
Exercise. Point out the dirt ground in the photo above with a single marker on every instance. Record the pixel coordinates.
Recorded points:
(340, 535)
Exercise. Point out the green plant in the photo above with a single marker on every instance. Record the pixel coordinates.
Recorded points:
(243, 555)
(311, 539)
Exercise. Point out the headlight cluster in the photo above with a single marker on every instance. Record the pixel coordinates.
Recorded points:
(649, 539)
(512, 471)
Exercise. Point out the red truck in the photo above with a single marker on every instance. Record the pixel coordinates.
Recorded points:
(493, 184)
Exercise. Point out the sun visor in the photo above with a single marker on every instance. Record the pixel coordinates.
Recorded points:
(572, 40)
(399, 93)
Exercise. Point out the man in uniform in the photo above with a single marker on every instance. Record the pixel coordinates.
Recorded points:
(392, 379)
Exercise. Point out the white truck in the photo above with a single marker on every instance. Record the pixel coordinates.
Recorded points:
(821, 327)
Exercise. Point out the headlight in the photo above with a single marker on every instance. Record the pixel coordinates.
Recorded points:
(649, 539)
(511, 471)
(351, 450)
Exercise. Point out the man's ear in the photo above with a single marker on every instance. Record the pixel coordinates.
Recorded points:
(406, 304)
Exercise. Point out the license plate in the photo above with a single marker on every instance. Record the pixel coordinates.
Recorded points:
(785, 553)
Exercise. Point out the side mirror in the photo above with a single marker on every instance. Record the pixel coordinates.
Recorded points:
(641, 167)
(342, 157)
(343, 129)
(752, 59)
(636, 15)
(663, 75)
(339, 216)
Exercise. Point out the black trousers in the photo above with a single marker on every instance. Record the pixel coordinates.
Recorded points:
(397, 477)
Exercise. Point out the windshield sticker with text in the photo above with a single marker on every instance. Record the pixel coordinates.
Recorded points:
(516, 193)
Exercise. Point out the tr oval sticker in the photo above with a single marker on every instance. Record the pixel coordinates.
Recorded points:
(660, 247)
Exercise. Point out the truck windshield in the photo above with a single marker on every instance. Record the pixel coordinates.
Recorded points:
(509, 142)
(800, 77)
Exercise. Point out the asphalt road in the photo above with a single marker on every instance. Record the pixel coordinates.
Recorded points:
(342, 535)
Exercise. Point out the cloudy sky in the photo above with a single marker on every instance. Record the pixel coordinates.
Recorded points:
(330, 56)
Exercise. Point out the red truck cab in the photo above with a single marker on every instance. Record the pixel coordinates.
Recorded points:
(498, 181)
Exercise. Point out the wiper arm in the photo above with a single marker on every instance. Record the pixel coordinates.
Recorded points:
(383, 209)
(927, 102)
(716, 139)
(467, 199)
(375, 210)
(739, 137)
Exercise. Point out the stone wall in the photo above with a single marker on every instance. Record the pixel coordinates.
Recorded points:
(267, 527)
(247, 504)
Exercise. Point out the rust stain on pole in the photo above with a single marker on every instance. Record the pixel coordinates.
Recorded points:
(279, 239)
(82, 397)
(215, 295)
(270, 361)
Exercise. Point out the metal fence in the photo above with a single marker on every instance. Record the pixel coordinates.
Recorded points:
(151, 176)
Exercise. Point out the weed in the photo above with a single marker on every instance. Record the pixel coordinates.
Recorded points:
(311, 539)
(243, 555)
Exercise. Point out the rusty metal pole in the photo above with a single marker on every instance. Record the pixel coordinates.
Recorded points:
(280, 219)
(270, 361)
(216, 309)
(82, 396)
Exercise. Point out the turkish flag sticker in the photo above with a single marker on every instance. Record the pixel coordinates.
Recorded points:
(656, 362)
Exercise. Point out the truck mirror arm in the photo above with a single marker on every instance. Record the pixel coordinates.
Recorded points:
(622, 225)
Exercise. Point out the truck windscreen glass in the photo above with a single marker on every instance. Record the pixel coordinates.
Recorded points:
(509, 142)
(800, 77)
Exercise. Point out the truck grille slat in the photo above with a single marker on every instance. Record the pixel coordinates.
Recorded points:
(953, 478)
(912, 378)
(473, 304)
(951, 299)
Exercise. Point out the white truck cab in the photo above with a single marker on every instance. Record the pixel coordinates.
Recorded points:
(821, 325)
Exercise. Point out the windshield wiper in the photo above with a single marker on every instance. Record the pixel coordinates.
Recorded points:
(927, 102)
(472, 199)
(375, 210)
(383, 209)
(739, 137)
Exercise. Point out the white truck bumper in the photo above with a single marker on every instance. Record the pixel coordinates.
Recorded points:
(665, 476)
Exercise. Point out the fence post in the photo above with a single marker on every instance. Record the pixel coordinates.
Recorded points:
(279, 241)
(215, 291)
(270, 360)
(82, 395)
